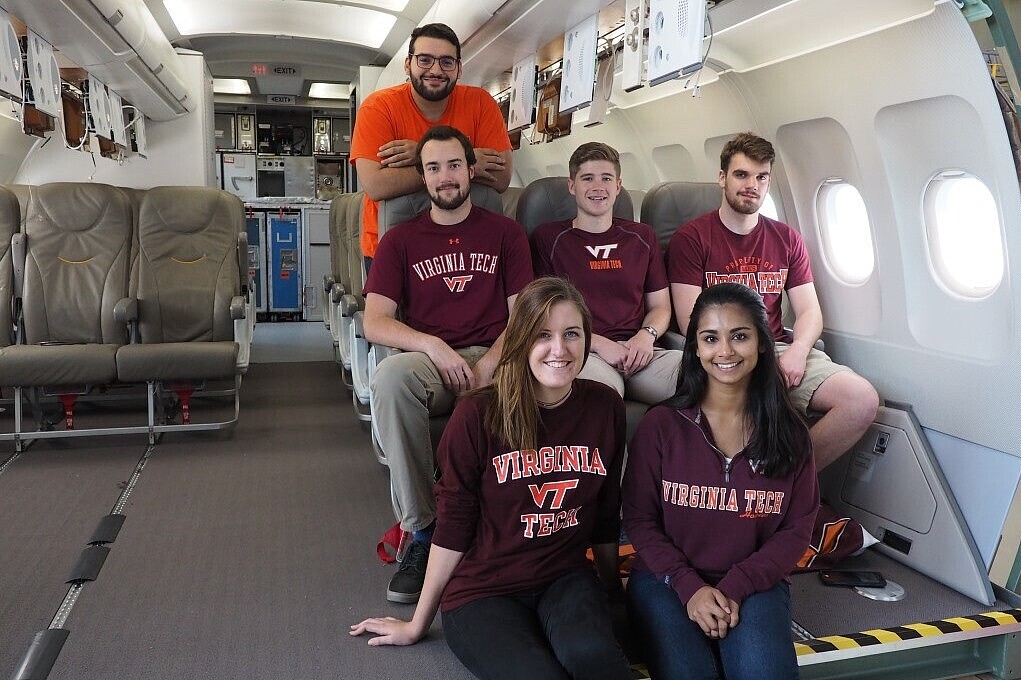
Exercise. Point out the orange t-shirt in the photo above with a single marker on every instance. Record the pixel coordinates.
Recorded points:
(391, 113)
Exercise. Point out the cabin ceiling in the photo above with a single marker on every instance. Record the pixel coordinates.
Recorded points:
(326, 40)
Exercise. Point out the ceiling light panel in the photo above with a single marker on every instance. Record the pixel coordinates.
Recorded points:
(330, 91)
(291, 18)
(231, 86)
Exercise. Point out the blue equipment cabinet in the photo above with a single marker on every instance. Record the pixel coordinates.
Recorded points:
(284, 263)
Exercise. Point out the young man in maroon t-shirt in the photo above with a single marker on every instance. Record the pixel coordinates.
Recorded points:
(617, 266)
(454, 272)
(737, 244)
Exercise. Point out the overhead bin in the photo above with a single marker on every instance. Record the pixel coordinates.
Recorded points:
(120, 42)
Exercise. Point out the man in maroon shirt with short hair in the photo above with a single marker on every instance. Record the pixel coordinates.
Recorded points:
(737, 244)
(454, 272)
(618, 267)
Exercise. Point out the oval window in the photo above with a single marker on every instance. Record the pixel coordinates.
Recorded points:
(846, 232)
(963, 229)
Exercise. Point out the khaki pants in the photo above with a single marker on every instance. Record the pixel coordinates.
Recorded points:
(651, 385)
(406, 391)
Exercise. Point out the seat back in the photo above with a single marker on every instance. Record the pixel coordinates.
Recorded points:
(548, 200)
(393, 211)
(338, 241)
(509, 199)
(345, 249)
(10, 224)
(355, 261)
(77, 262)
(669, 205)
(187, 264)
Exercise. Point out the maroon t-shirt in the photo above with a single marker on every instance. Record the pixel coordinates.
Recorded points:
(525, 518)
(769, 259)
(613, 270)
(453, 281)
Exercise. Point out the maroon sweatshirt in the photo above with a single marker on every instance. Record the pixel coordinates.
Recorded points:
(525, 518)
(696, 520)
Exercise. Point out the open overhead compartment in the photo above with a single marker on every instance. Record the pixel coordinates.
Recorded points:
(120, 42)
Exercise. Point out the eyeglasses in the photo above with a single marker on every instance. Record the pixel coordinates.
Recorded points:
(426, 61)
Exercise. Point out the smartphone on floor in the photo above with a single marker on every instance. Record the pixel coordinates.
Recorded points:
(849, 579)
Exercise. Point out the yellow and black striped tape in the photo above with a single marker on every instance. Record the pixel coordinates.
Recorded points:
(912, 631)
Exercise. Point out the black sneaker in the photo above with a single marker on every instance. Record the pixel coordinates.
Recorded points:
(406, 585)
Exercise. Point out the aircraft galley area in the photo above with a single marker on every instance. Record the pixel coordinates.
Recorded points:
(204, 440)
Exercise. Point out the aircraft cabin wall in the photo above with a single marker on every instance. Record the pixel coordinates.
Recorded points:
(886, 112)
(178, 152)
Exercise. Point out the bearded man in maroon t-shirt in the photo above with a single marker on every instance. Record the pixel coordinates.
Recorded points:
(454, 272)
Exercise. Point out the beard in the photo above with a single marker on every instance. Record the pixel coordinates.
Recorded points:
(432, 95)
(740, 204)
(452, 203)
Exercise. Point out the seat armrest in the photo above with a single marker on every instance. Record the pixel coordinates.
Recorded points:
(242, 253)
(126, 310)
(336, 293)
(238, 307)
(672, 340)
(329, 280)
(349, 304)
(819, 344)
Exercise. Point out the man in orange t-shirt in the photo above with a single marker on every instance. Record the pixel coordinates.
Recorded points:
(391, 121)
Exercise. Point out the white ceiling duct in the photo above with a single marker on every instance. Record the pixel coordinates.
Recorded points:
(120, 42)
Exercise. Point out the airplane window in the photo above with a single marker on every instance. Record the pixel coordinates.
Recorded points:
(846, 232)
(963, 229)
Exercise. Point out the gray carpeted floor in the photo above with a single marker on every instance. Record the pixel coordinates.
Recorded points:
(248, 553)
(242, 556)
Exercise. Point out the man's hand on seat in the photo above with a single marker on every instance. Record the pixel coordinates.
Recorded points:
(400, 153)
(487, 161)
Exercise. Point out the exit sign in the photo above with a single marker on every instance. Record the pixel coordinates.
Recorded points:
(281, 99)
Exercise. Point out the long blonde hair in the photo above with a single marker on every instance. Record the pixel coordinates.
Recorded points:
(513, 413)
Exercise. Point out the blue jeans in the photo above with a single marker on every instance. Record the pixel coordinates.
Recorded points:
(759, 648)
(558, 632)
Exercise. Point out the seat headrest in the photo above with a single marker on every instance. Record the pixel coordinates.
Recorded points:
(393, 211)
(668, 205)
(548, 200)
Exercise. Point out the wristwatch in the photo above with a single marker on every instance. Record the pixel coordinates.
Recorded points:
(651, 330)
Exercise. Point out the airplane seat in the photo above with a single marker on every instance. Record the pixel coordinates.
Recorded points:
(191, 324)
(509, 199)
(72, 264)
(10, 224)
(365, 357)
(337, 277)
(668, 205)
(23, 193)
(637, 198)
(548, 200)
(350, 267)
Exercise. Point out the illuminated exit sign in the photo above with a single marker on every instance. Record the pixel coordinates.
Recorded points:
(259, 70)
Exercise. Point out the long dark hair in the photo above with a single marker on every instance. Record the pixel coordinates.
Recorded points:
(779, 435)
(513, 413)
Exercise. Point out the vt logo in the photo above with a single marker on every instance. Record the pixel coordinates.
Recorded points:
(558, 489)
(456, 283)
(601, 252)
